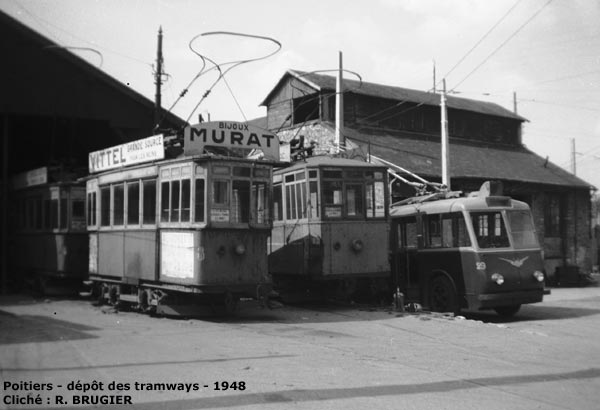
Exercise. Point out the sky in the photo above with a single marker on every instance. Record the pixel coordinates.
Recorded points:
(546, 52)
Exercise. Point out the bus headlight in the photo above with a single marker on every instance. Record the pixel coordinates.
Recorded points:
(240, 249)
(499, 279)
(357, 245)
(539, 276)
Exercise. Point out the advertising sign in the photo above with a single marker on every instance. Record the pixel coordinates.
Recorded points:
(134, 152)
(230, 134)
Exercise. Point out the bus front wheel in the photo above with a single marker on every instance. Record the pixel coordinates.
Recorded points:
(507, 311)
(443, 295)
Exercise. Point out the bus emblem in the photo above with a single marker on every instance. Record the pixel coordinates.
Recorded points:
(517, 263)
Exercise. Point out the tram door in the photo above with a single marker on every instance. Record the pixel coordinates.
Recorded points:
(404, 257)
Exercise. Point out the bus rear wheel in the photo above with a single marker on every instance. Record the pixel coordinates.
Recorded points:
(507, 311)
(443, 296)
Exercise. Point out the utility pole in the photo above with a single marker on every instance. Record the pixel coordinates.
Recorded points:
(445, 143)
(515, 102)
(573, 161)
(158, 79)
(434, 80)
(339, 107)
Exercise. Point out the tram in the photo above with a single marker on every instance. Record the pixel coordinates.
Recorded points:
(48, 235)
(168, 234)
(475, 252)
(330, 228)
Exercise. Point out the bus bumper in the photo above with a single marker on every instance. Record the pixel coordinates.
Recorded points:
(492, 300)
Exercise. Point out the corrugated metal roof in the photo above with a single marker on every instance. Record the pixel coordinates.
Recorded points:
(322, 82)
(422, 156)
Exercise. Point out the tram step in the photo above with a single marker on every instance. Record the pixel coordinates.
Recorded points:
(129, 298)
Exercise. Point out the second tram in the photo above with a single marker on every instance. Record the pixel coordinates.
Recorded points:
(476, 252)
(48, 231)
(330, 227)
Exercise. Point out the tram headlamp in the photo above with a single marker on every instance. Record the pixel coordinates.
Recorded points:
(498, 278)
(357, 245)
(539, 276)
(240, 249)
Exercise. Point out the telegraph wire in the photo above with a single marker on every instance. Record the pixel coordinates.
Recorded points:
(503, 43)
(480, 40)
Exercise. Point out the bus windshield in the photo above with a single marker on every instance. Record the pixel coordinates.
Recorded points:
(489, 229)
(522, 229)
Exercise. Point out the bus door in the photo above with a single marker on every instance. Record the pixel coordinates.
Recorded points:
(404, 257)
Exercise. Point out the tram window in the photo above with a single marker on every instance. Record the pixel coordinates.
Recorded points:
(354, 200)
(314, 199)
(118, 204)
(375, 200)
(64, 213)
(174, 208)
(185, 200)
(149, 201)
(199, 201)
(91, 209)
(38, 213)
(240, 201)
(262, 172)
(332, 173)
(241, 172)
(260, 208)
(47, 213)
(105, 206)
(220, 193)
(164, 201)
(277, 203)
(78, 208)
(489, 229)
(133, 203)
(332, 198)
(53, 214)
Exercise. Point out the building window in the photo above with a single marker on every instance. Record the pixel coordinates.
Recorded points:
(305, 108)
(552, 215)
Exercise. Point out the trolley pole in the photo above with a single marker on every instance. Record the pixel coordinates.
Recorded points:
(158, 79)
(445, 144)
(339, 107)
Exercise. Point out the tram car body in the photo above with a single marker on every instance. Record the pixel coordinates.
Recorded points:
(330, 227)
(175, 233)
(477, 252)
(49, 244)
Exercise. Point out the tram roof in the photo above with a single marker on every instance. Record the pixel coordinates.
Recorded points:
(328, 161)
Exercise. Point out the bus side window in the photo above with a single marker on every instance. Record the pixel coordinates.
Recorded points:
(462, 234)
(434, 232)
(410, 228)
(447, 232)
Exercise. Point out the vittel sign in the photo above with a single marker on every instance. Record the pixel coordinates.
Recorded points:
(229, 134)
(134, 152)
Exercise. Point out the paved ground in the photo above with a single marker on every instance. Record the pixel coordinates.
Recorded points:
(310, 357)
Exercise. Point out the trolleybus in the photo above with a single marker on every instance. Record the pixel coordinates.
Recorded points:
(476, 252)
(330, 227)
(170, 233)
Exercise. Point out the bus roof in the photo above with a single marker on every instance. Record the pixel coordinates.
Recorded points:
(473, 203)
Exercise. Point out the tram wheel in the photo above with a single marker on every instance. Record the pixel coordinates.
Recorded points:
(230, 301)
(507, 311)
(443, 295)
